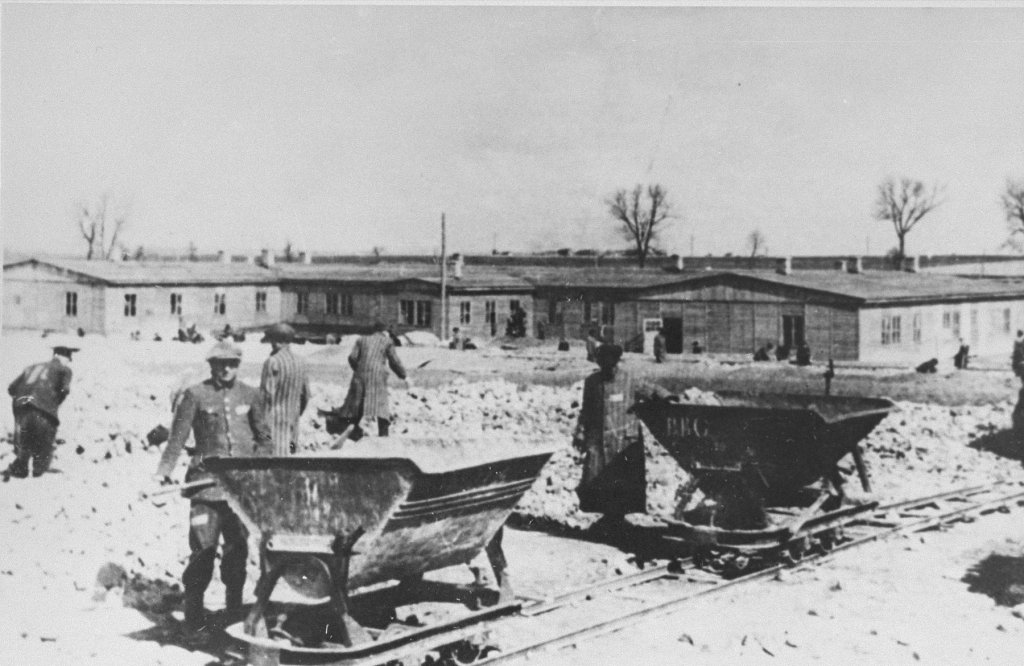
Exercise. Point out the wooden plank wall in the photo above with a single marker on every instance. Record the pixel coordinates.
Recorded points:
(845, 336)
(718, 328)
(695, 325)
(741, 328)
(767, 323)
(818, 331)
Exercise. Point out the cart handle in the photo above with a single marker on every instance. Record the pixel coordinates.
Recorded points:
(202, 483)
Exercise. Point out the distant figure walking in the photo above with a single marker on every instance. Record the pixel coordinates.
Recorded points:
(37, 393)
(458, 342)
(962, 355)
(367, 396)
(285, 382)
(659, 346)
(593, 342)
(1017, 357)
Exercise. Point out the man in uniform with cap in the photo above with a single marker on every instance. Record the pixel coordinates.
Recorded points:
(285, 381)
(228, 419)
(36, 395)
(614, 477)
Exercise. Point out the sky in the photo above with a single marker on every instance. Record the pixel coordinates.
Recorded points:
(345, 128)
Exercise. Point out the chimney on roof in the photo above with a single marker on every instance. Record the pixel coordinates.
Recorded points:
(677, 263)
(856, 265)
(266, 258)
(305, 257)
(223, 257)
(784, 266)
(911, 264)
(455, 264)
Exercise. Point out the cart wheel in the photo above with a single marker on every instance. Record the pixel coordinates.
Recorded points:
(737, 565)
(489, 651)
(828, 541)
(464, 653)
(792, 555)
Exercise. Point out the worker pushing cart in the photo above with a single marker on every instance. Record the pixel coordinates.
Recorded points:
(614, 474)
(228, 419)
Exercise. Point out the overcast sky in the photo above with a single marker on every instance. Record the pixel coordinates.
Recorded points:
(342, 128)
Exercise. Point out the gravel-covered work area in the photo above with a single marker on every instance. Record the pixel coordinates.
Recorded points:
(59, 530)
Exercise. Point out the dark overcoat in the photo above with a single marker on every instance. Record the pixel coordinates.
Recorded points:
(614, 474)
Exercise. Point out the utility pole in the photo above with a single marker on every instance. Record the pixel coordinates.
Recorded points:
(444, 281)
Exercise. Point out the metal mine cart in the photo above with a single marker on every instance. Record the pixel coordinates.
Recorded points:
(383, 510)
(765, 475)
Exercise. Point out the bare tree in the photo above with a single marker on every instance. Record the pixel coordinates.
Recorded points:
(377, 250)
(289, 252)
(643, 213)
(757, 244)
(100, 226)
(904, 204)
(1013, 206)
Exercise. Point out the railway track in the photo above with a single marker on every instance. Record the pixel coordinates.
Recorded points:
(621, 602)
(531, 630)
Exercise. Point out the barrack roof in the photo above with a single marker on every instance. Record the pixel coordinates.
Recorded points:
(876, 287)
(132, 273)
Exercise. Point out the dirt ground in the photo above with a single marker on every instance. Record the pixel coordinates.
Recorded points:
(944, 597)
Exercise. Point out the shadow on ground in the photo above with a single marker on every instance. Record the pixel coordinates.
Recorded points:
(646, 542)
(1000, 577)
(1005, 443)
(156, 600)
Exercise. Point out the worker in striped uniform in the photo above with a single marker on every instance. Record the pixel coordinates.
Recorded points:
(285, 383)
(367, 396)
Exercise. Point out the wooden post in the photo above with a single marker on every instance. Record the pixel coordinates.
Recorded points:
(444, 281)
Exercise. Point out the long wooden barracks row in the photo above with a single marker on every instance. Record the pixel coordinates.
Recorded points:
(845, 312)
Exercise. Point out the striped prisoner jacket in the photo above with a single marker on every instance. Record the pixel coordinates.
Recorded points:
(368, 393)
(285, 381)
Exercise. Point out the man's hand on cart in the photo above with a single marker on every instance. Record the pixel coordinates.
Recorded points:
(164, 480)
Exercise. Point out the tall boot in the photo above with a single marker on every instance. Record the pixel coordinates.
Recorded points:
(233, 598)
(195, 615)
(233, 602)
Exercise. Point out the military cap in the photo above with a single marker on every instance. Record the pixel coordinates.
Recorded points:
(225, 351)
(63, 343)
(281, 332)
(608, 353)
